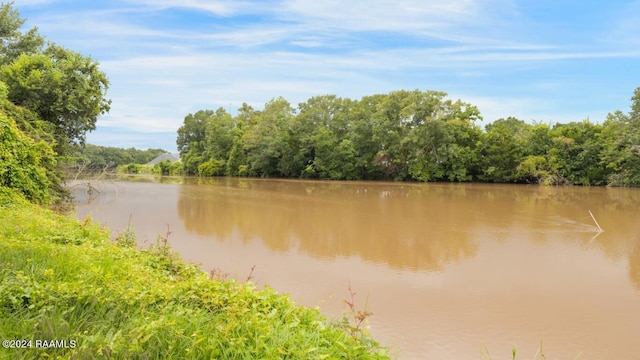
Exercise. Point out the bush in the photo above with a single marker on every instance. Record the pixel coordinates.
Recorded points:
(23, 162)
(211, 167)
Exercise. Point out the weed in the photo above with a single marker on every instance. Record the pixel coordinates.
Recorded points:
(354, 320)
(127, 238)
(250, 276)
(163, 257)
(217, 274)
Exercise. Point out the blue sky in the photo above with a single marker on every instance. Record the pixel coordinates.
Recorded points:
(537, 60)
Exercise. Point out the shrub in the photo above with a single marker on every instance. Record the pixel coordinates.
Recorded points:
(23, 162)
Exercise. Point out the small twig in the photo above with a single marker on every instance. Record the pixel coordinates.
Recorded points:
(251, 273)
(594, 220)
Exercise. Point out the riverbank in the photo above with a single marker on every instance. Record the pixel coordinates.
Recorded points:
(68, 291)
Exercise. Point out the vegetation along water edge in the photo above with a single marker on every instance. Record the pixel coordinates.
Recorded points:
(66, 281)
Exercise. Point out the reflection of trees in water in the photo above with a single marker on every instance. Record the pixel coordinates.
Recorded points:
(379, 223)
(417, 226)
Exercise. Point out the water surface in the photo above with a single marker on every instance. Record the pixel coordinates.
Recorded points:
(448, 269)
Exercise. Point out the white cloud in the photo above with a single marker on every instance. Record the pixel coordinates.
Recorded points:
(222, 8)
(126, 138)
(139, 123)
(484, 50)
(391, 15)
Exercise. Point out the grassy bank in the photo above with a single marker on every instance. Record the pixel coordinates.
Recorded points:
(61, 279)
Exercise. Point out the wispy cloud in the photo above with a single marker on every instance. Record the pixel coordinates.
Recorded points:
(222, 8)
(166, 58)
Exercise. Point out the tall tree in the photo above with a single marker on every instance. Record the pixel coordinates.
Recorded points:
(266, 141)
(237, 164)
(362, 126)
(219, 135)
(502, 149)
(62, 87)
(621, 141)
(443, 140)
(621, 154)
(191, 140)
(577, 150)
(321, 126)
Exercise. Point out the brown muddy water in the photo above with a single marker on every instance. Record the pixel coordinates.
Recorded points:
(448, 270)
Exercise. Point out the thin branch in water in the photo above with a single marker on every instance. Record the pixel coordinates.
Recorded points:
(80, 169)
(594, 220)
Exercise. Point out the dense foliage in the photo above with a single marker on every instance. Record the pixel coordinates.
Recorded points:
(60, 86)
(50, 98)
(408, 135)
(65, 280)
(95, 157)
(23, 162)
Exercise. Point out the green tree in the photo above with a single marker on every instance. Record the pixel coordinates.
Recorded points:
(334, 158)
(539, 139)
(368, 162)
(543, 163)
(621, 145)
(443, 140)
(237, 164)
(266, 140)
(144, 156)
(13, 42)
(621, 154)
(237, 160)
(211, 167)
(219, 137)
(393, 120)
(578, 151)
(409, 135)
(62, 87)
(502, 149)
(322, 124)
(191, 140)
(163, 167)
(192, 132)
(95, 157)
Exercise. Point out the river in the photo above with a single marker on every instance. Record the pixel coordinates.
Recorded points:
(449, 271)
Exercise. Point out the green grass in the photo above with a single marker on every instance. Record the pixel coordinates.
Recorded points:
(61, 279)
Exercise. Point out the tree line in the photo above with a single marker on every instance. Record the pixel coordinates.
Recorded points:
(408, 136)
(100, 158)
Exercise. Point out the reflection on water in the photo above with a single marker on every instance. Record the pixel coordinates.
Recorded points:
(448, 267)
(414, 226)
(376, 223)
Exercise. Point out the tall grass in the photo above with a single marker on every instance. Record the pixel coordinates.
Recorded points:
(61, 279)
